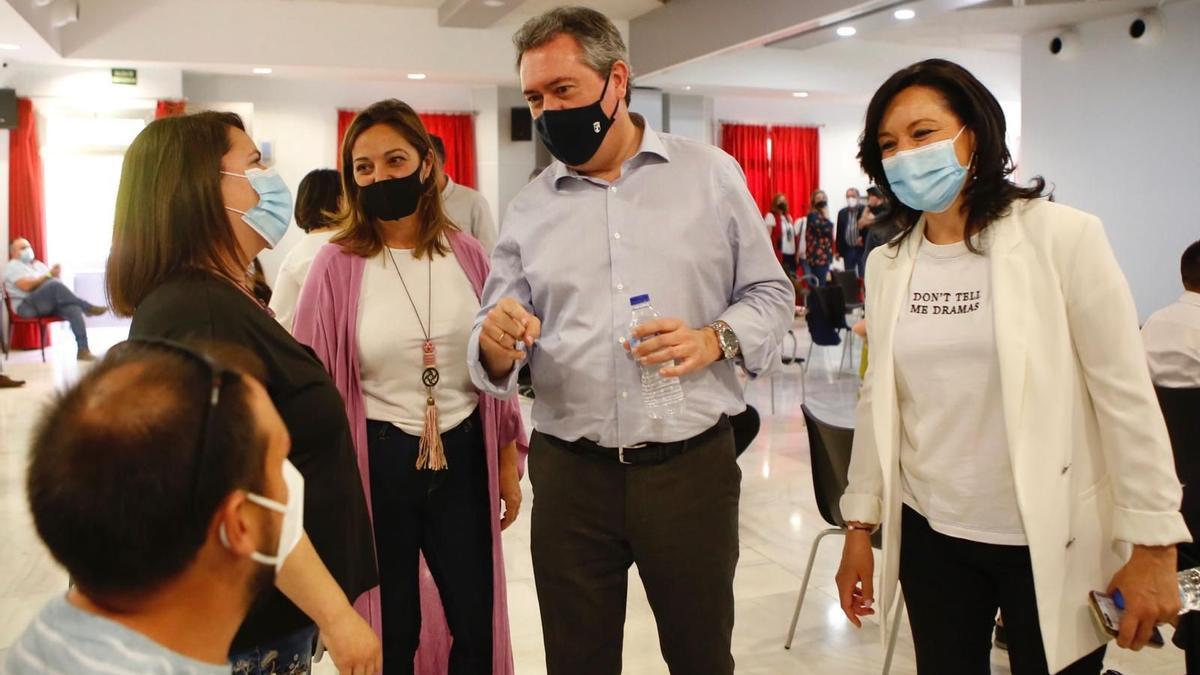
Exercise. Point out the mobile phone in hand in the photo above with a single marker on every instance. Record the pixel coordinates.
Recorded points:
(1108, 616)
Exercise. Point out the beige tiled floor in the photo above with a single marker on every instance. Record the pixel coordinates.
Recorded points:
(778, 518)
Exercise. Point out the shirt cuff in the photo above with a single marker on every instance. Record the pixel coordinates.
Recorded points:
(861, 508)
(502, 388)
(1150, 528)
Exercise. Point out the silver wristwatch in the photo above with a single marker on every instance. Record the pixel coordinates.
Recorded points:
(730, 347)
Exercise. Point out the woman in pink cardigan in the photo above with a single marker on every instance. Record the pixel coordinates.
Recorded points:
(388, 307)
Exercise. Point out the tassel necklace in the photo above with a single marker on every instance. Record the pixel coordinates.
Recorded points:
(431, 455)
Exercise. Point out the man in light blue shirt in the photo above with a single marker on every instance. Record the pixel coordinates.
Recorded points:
(627, 211)
(144, 482)
(34, 290)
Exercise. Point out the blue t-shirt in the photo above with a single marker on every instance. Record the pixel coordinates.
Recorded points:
(65, 639)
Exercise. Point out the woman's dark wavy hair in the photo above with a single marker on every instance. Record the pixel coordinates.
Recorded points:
(989, 193)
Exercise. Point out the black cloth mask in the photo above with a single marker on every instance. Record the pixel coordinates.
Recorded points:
(821, 204)
(394, 198)
(574, 135)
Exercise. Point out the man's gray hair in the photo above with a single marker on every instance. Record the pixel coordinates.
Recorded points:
(599, 39)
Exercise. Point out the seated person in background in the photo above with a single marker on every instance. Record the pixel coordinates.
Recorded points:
(466, 207)
(1172, 334)
(159, 482)
(36, 291)
(317, 203)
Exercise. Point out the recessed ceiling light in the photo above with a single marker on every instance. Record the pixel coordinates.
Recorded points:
(800, 94)
(493, 3)
(262, 71)
(416, 76)
(687, 87)
(846, 31)
(8, 46)
(904, 14)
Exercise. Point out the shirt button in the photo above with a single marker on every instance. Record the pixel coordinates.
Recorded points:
(620, 287)
(617, 235)
(613, 188)
(624, 394)
(621, 339)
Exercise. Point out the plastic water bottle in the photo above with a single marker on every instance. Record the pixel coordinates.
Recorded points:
(662, 396)
(1189, 590)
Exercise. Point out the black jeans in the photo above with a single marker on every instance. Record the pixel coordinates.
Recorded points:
(446, 516)
(953, 588)
(53, 298)
(678, 520)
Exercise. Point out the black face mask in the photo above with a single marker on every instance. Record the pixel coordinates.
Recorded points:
(575, 134)
(394, 198)
(782, 208)
(878, 208)
(821, 205)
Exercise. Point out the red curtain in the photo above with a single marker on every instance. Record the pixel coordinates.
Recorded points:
(26, 205)
(345, 117)
(457, 131)
(167, 108)
(748, 145)
(796, 165)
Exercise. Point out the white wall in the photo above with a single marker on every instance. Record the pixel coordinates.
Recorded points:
(299, 117)
(91, 85)
(1115, 130)
(691, 117)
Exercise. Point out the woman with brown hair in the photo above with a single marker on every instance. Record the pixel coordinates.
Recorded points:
(389, 306)
(194, 207)
(783, 234)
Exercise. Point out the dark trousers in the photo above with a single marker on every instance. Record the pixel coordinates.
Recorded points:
(446, 516)
(678, 521)
(855, 260)
(953, 588)
(53, 298)
(789, 265)
(821, 272)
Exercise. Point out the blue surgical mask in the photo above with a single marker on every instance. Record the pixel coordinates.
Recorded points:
(27, 256)
(273, 212)
(927, 178)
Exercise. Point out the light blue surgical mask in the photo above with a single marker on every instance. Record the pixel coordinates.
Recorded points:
(927, 178)
(273, 212)
(27, 255)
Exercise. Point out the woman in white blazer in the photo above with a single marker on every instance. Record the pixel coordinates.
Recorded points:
(1008, 438)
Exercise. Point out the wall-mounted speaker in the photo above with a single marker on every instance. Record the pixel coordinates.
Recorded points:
(1146, 28)
(8, 109)
(522, 124)
(1064, 44)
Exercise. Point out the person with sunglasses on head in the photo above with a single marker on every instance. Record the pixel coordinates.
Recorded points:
(195, 205)
(161, 483)
(1008, 440)
(388, 307)
(619, 481)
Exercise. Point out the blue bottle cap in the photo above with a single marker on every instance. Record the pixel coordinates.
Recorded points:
(1119, 600)
(643, 299)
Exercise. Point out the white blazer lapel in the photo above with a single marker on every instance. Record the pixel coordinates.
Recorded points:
(1011, 299)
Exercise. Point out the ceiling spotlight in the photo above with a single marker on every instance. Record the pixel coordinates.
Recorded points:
(416, 76)
(262, 71)
(687, 87)
(800, 94)
(9, 47)
(846, 31)
(904, 14)
(493, 3)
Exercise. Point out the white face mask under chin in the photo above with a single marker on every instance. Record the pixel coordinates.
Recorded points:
(292, 528)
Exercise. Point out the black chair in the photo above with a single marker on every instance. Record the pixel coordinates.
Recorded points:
(745, 428)
(826, 321)
(851, 290)
(829, 452)
(1181, 409)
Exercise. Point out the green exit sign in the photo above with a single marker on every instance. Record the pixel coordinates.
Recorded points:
(124, 76)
